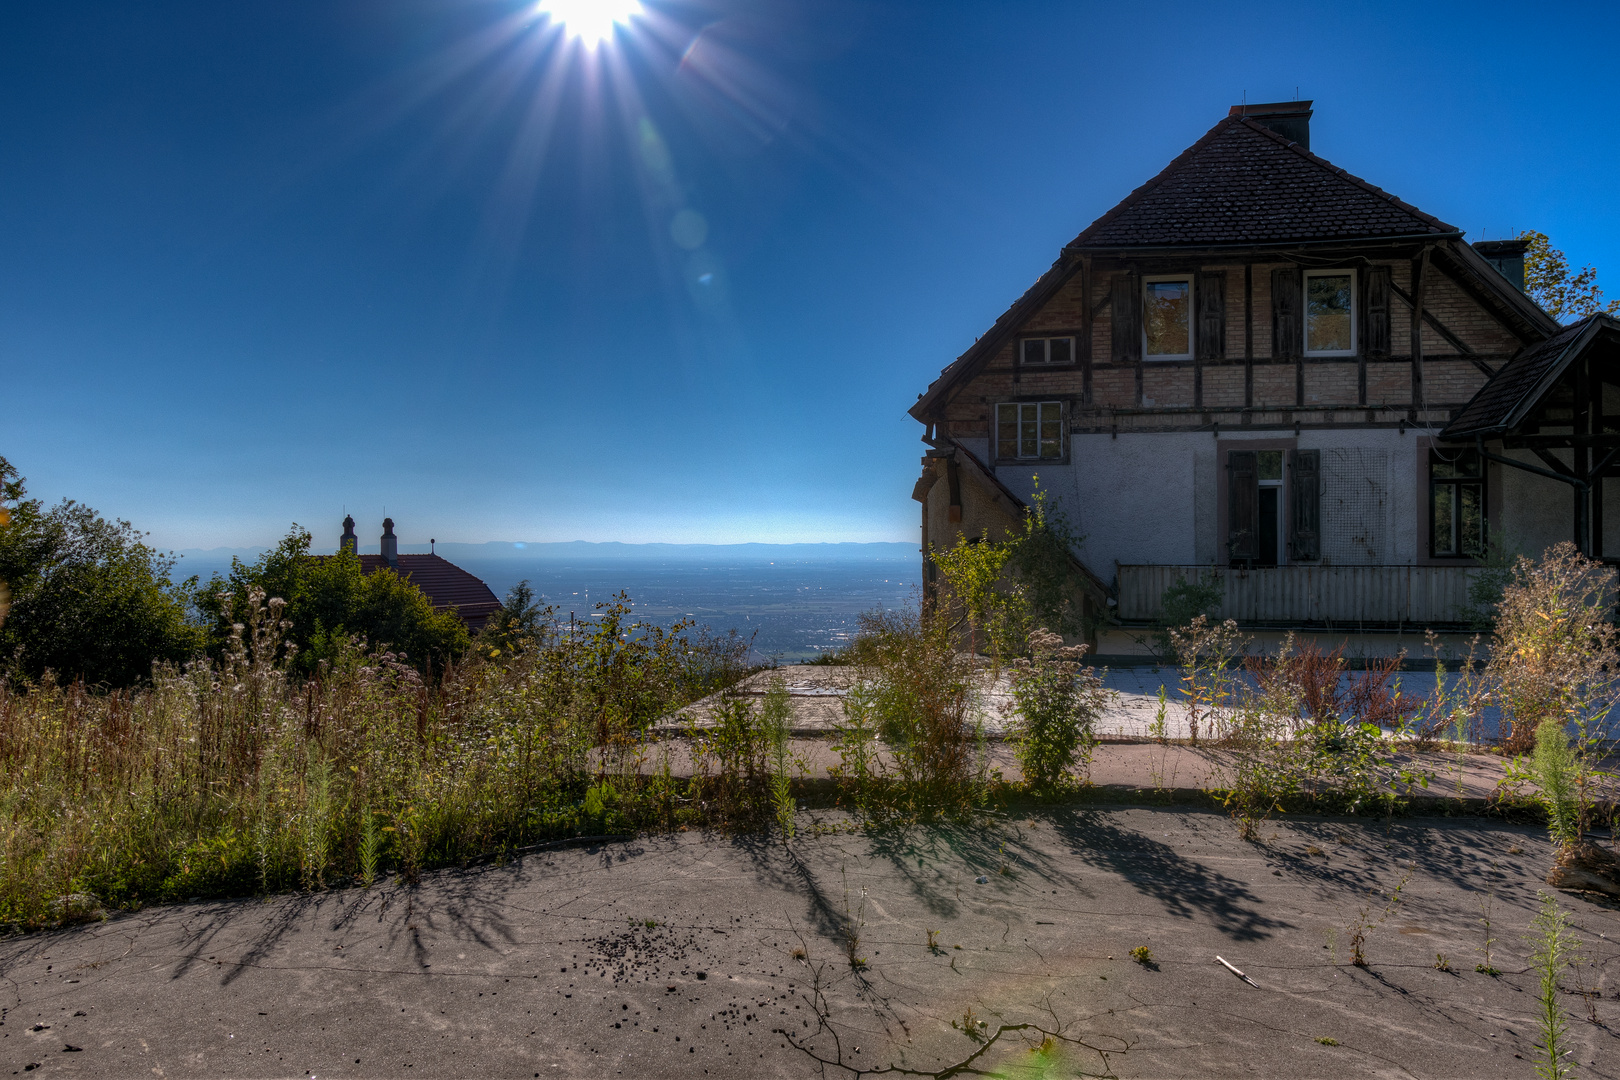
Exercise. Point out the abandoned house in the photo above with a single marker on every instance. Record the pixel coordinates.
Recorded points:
(446, 585)
(1261, 369)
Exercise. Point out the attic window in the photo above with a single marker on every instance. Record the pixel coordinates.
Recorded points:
(1330, 313)
(1029, 430)
(1167, 318)
(1045, 352)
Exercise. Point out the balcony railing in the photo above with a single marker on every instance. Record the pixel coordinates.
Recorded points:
(1370, 597)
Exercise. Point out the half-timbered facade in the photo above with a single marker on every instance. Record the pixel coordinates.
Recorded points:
(1247, 370)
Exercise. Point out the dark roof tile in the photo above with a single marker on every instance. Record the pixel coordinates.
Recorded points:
(1242, 183)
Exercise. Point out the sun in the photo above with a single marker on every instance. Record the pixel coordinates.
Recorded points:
(591, 21)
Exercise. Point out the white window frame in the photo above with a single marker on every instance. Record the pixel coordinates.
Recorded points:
(1305, 311)
(1063, 434)
(1192, 318)
(1047, 350)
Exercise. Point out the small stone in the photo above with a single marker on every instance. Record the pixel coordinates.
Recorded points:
(981, 880)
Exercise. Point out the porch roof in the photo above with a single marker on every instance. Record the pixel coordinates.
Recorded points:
(1513, 393)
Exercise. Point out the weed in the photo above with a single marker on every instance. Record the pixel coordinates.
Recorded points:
(1441, 963)
(370, 847)
(1487, 906)
(1056, 702)
(1365, 924)
(1555, 949)
(1142, 955)
(1327, 1040)
(799, 954)
(774, 718)
(854, 922)
(933, 941)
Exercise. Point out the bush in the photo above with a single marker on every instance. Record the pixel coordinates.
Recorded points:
(1057, 702)
(328, 601)
(1555, 657)
(89, 599)
(918, 693)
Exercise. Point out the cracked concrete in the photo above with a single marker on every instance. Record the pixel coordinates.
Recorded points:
(694, 955)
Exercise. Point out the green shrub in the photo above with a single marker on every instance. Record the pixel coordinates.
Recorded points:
(1057, 702)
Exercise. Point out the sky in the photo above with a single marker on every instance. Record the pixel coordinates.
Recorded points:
(267, 263)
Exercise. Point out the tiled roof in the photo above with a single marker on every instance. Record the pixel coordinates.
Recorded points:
(443, 583)
(1242, 183)
(1507, 396)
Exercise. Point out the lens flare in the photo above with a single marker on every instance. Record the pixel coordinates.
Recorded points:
(591, 21)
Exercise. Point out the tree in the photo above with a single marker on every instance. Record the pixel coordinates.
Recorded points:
(89, 598)
(1563, 295)
(517, 624)
(329, 600)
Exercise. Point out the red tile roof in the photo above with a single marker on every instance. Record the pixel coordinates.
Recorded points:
(443, 583)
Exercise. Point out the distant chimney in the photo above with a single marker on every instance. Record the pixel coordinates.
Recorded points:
(1507, 256)
(1290, 119)
(390, 544)
(349, 541)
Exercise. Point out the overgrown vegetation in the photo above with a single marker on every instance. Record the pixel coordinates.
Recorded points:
(1565, 294)
(240, 775)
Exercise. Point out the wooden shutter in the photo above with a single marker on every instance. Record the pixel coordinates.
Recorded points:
(1375, 310)
(1305, 499)
(1287, 332)
(1125, 306)
(1212, 315)
(1243, 505)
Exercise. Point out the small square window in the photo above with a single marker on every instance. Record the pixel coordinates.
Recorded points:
(1029, 430)
(1167, 318)
(1047, 351)
(1330, 313)
(1270, 466)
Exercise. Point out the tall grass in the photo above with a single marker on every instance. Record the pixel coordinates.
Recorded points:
(236, 777)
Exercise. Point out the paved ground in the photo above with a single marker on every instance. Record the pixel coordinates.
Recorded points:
(688, 955)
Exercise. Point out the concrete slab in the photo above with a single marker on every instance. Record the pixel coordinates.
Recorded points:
(817, 695)
(725, 956)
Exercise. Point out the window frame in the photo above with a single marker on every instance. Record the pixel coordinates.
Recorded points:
(1047, 340)
(1305, 312)
(1192, 317)
(1062, 439)
(1457, 483)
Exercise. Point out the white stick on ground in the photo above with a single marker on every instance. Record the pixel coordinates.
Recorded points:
(1238, 973)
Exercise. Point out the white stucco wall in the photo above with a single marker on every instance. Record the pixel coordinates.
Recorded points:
(1152, 497)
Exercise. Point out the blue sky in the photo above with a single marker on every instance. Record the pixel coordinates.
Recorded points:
(260, 263)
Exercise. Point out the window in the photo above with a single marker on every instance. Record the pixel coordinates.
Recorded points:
(1047, 351)
(1028, 430)
(1269, 474)
(1456, 504)
(1330, 313)
(1167, 318)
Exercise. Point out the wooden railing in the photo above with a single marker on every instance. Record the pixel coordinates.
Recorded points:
(1372, 597)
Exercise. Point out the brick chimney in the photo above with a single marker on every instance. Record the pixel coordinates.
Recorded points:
(390, 544)
(1507, 256)
(349, 541)
(1290, 119)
